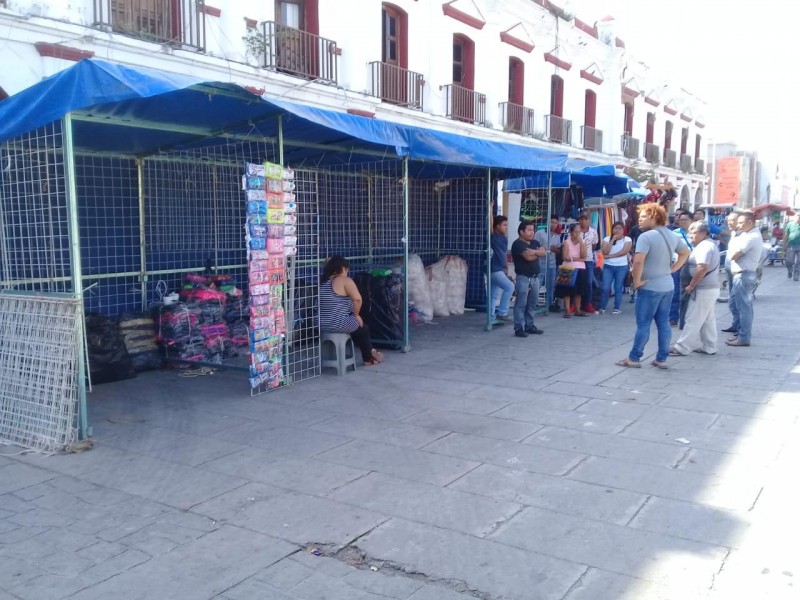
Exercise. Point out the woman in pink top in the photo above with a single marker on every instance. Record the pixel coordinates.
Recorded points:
(573, 253)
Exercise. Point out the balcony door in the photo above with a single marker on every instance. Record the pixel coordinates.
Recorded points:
(628, 128)
(668, 136)
(150, 19)
(515, 118)
(556, 96)
(393, 82)
(297, 46)
(684, 140)
(463, 98)
(651, 128)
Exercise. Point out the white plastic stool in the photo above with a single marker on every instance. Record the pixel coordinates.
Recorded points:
(335, 355)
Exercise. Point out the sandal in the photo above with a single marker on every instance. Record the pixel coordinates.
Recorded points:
(659, 365)
(377, 356)
(674, 352)
(371, 363)
(627, 362)
(581, 314)
(567, 316)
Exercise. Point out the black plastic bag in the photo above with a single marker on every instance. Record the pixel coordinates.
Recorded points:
(108, 358)
(383, 306)
(139, 333)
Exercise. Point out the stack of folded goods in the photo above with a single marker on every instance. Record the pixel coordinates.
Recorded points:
(139, 332)
(179, 331)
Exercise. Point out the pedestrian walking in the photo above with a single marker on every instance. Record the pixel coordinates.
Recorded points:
(500, 284)
(652, 278)
(679, 279)
(571, 283)
(526, 254)
(591, 238)
(744, 253)
(615, 266)
(791, 247)
(700, 331)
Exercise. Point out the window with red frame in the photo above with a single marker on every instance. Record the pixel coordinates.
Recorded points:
(556, 96)
(463, 61)
(651, 128)
(516, 81)
(590, 109)
(298, 14)
(395, 36)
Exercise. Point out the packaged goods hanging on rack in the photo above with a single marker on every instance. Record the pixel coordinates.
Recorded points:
(270, 234)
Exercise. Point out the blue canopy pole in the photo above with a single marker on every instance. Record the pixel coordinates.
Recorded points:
(406, 327)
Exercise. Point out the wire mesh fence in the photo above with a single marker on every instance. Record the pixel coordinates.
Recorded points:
(39, 387)
(34, 234)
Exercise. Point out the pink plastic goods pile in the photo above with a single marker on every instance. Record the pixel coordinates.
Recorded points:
(209, 325)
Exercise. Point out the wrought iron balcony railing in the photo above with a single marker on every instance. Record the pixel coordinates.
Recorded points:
(179, 23)
(670, 158)
(592, 138)
(516, 118)
(299, 53)
(700, 166)
(630, 147)
(652, 153)
(686, 163)
(396, 85)
(558, 129)
(465, 105)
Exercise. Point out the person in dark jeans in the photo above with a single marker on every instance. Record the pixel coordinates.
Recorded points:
(526, 253)
(591, 238)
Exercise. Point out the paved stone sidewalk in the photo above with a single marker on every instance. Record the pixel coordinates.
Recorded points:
(477, 466)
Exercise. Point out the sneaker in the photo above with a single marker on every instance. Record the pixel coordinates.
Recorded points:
(730, 330)
(737, 342)
(520, 333)
(589, 309)
(616, 311)
(601, 311)
(633, 300)
(533, 330)
(673, 323)
(788, 275)
(504, 318)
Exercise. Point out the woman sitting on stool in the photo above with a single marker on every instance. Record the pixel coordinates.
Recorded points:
(339, 305)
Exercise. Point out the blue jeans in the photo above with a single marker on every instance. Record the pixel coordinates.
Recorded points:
(501, 286)
(742, 289)
(551, 285)
(527, 295)
(589, 298)
(616, 276)
(732, 302)
(652, 306)
(675, 305)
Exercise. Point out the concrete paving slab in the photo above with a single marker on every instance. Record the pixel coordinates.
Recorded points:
(375, 406)
(225, 506)
(407, 463)
(304, 519)
(167, 482)
(556, 493)
(253, 588)
(312, 476)
(18, 476)
(202, 569)
(515, 455)
(378, 430)
(283, 439)
(490, 427)
(484, 565)
(546, 400)
(443, 507)
(599, 584)
(466, 403)
(576, 419)
(605, 392)
(651, 556)
(382, 585)
(286, 573)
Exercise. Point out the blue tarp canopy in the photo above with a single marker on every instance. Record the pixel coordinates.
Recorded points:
(141, 111)
(595, 179)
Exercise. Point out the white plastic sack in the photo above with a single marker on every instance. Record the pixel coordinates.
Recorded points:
(456, 269)
(437, 274)
(419, 292)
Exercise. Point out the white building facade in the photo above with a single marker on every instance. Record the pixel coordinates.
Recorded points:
(522, 71)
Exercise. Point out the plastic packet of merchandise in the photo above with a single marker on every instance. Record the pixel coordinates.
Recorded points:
(256, 195)
(262, 289)
(258, 278)
(288, 173)
(275, 231)
(290, 219)
(275, 215)
(277, 277)
(275, 200)
(290, 240)
(290, 250)
(273, 171)
(255, 169)
(289, 207)
(253, 182)
(257, 230)
(257, 243)
(254, 207)
(260, 299)
(259, 255)
(288, 197)
(259, 265)
(274, 186)
(289, 230)
(275, 245)
(277, 262)
(280, 320)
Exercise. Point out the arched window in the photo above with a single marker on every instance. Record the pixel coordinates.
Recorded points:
(463, 61)
(395, 36)
(556, 96)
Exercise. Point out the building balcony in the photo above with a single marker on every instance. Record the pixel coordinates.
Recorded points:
(700, 166)
(178, 23)
(558, 129)
(686, 163)
(396, 85)
(299, 53)
(516, 118)
(465, 105)
(591, 138)
(652, 153)
(670, 158)
(630, 146)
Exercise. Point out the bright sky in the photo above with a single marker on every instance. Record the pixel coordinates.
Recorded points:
(740, 57)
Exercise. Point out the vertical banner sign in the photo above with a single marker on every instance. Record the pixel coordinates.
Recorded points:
(271, 235)
(729, 180)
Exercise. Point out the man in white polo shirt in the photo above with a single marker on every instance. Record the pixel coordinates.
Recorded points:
(744, 254)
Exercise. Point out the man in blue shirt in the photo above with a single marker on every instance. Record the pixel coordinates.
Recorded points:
(500, 285)
(682, 220)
